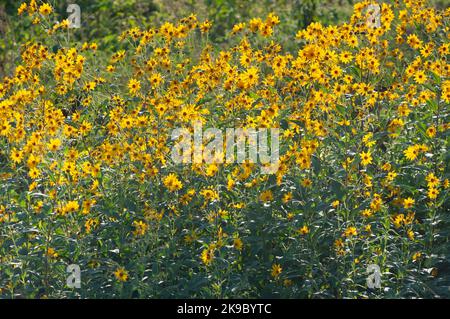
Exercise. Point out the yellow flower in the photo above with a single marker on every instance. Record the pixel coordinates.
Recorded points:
(412, 152)
(140, 228)
(420, 77)
(398, 220)
(155, 80)
(408, 202)
(304, 160)
(54, 144)
(306, 182)
(391, 176)
(230, 183)
(432, 180)
(433, 193)
(276, 270)
(350, 231)
(417, 256)
(207, 256)
(121, 274)
(16, 156)
(71, 207)
(304, 230)
(172, 182)
(34, 173)
(90, 86)
(45, 9)
(237, 243)
(266, 196)
(5, 128)
(367, 213)
(209, 194)
(366, 158)
(287, 197)
(52, 253)
(22, 8)
(134, 86)
(90, 224)
(431, 131)
(205, 26)
(249, 78)
(87, 205)
(414, 41)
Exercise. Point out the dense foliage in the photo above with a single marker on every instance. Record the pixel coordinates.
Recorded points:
(87, 178)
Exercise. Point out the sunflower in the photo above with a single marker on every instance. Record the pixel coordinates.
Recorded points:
(121, 274)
